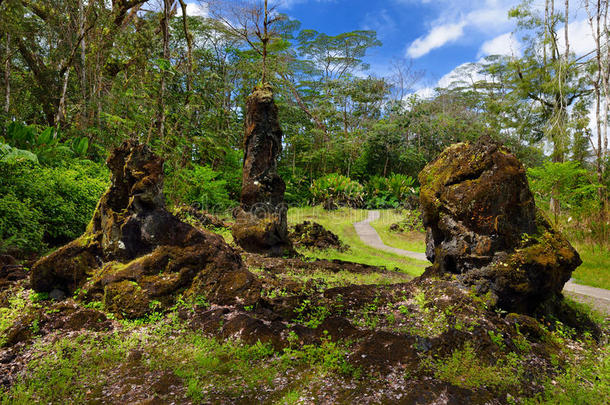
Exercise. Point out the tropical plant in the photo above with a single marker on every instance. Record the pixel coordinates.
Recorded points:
(199, 186)
(335, 190)
(46, 144)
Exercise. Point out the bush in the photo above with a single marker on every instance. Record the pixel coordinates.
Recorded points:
(390, 192)
(578, 207)
(298, 187)
(57, 201)
(20, 229)
(335, 190)
(198, 186)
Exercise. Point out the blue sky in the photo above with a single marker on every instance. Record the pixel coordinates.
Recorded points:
(437, 35)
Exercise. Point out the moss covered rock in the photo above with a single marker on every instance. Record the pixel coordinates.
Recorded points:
(482, 225)
(135, 252)
(260, 221)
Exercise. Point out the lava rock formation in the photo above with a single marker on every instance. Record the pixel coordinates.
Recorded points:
(134, 253)
(482, 226)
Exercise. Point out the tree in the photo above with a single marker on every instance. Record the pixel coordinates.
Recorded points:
(253, 21)
(552, 81)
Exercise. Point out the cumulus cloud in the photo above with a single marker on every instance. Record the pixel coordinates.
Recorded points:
(580, 37)
(194, 10)
(480, 17)
(505, 44)
(436, 38)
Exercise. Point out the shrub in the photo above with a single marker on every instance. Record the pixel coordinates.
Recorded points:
(56, 202)
(199, 186)
(335, 190)
(576, 193)
(45, 144)
(389, 192)
(298, 186)
(20, 229)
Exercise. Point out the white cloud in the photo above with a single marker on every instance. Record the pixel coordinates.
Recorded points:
(580, 37)
(477, 18)
(436, 38)
(194, 10)
(505, 44)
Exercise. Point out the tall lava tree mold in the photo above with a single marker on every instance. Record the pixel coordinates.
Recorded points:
(260, 221)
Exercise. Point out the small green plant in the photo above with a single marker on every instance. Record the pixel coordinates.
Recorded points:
(465, 369)
(310, 315)
(39, 296)
(497, 338)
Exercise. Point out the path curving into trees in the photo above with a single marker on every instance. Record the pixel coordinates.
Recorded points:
(599, 298)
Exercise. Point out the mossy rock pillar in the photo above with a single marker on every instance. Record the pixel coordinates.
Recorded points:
(260, 221)
(135, 256)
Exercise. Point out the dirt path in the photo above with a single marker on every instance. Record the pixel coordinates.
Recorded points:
(598, 298)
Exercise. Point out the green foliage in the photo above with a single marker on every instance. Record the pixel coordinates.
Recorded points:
(311, 315)
(389, 192)
(10, 154)
(335, 190)
(465, 369)
(21, 231)
(585, 381)
(573, 186)
(47, 205)
(44, 144)
(576, 194)
(198, 186)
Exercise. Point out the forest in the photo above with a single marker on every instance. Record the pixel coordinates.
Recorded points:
(176, 98)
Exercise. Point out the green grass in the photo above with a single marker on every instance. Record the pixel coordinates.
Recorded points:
(413, 241)
(77, 369)
(341, 223)
(595, 268)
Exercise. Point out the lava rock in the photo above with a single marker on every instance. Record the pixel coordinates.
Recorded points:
(312, 235)
(482, 226)
(260, 221)
(134, 253)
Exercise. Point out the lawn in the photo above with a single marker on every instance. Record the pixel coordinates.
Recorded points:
(341, 223)
(595, 267)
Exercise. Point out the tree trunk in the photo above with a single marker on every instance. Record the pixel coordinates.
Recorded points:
(61, 106)
(567, 19)
(265, 41)
(189, 52)
(7, 76)
(165, 32)
(83, 55)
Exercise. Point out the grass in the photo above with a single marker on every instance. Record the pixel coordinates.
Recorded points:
(414, 241)
(76, 369)
(595, 268)
(341, 223)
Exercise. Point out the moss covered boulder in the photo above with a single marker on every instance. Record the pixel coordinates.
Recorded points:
(482, 226)
(135, 255)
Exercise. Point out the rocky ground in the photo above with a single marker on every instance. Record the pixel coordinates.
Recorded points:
(319, 334)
